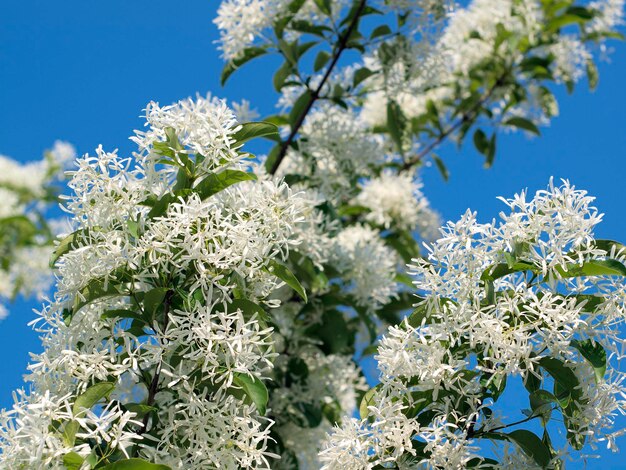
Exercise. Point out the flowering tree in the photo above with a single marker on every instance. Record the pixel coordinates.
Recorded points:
(211, 307)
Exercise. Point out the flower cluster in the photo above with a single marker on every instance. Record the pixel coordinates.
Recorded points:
(157, 341)
(397, 200)
(415, 72)
(534, 296)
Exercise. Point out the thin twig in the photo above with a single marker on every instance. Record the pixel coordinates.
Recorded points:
(468, 116)
(315, 94)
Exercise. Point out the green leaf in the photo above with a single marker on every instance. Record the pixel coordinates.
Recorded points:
(522, 123)
(600, 267)
(299, 106)
(480, 141)
(68, 244)
(533, 446)
(502, 269)
(495, 384)
(418, 315)
(160, 206)
(306, 27)
(247, 55)
(321, 60)
(302, 48)
(381, 30)
(254, 389)
(541, 402)
(562, 21)
(277, 120)
(491, 153)
(140, 409)
(360, 75)
(595, 354)
(69, 432)
(248, 308)
(122, 313)
(133, 227)
(295, 5)
(281, 75)
(564, 376)
(396, 124)
(91, 396)
(441, 167)
(253, 130)
(134, 464)
(216, 182)
(592, 74)
(282, 272)
(610, 246)
(368, 400)
(152, 300)
(85, 401)
(94, 290)
(324, 6)
(73, 461)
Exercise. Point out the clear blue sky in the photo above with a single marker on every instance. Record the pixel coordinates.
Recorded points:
(82, 71)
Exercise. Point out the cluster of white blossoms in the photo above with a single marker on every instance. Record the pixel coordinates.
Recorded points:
(337, 147)
(610, 15)
(247, 23)
(534, 296)
(27, 190)
(209, 305)
(367, 265)
(155, 304)
(29, 180)
(242, 23)
(310, 390)
(420, 72)
(397, 200)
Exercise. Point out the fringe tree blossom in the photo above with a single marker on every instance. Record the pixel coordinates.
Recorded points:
(396, 199)
(535, 296)
(368, 266)
(156, 293)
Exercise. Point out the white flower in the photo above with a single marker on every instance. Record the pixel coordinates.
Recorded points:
(397, 199)
(243, 111)
(367, 265)
(571, 59)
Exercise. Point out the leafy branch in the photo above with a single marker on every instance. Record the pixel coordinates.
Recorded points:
(315, 94)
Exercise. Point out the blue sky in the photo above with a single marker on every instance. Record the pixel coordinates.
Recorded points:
(82, 71)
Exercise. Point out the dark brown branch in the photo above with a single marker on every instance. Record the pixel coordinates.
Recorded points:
(315, 94)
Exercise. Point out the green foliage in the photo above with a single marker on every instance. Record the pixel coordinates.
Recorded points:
(282, 272)
(253, 389)
(253, 130)
(134, 464)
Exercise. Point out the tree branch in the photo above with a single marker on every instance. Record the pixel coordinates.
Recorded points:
(467, 117)
(315, 94)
